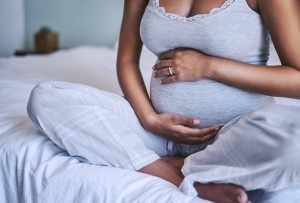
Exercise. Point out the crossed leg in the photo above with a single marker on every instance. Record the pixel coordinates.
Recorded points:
(258, 151)
(101, 128)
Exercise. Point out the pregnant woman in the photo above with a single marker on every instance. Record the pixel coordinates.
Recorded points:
(211, 72)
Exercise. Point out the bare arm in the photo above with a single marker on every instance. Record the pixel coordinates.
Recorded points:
(283, 21)
(178, 129)
(129, 51)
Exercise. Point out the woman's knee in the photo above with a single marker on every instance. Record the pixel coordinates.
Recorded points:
(277, 129)
(267, 132)
(40, 93)
(35, 104)
(37, 96)
(275, 120)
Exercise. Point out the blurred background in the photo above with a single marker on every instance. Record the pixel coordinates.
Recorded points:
(77, 22)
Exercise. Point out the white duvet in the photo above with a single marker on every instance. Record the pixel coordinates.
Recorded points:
(33, 169)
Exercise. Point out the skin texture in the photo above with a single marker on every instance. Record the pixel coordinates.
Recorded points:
(192, 65)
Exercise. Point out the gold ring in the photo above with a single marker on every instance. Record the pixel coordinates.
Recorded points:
(170, 70)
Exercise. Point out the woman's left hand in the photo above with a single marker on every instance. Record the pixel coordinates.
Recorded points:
(181, 65)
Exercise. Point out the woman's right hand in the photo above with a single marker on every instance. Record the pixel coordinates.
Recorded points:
(180, 129)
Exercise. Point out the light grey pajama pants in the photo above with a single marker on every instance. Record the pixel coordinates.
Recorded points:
(259, 150)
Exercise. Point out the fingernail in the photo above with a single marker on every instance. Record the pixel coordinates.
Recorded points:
(196, 122)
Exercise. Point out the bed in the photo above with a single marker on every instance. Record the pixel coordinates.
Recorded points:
(34, 169)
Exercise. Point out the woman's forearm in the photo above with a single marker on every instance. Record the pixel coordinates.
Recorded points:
(133, 87)
(282, 81)
(192, 65)
(130, 45)
(275, 80)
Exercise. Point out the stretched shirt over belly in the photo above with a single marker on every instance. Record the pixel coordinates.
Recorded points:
(233, 31)
(211, 102)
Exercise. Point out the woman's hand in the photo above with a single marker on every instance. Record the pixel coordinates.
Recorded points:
(180, 129)
(181, 65)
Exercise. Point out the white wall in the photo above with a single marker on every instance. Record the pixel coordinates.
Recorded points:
(12, 26)
(78, 22)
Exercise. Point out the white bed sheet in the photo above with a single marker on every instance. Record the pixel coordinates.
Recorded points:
(33, 169)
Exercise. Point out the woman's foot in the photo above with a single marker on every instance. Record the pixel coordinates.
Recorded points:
(222, 193)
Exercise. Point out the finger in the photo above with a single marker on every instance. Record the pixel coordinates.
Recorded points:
(169, 80)
(167, 55)
(196, 132)
(198, 140)
(163, 64)
(162, 73)
(195, 140)
(207, 137)
(190, 122)
(205, 131)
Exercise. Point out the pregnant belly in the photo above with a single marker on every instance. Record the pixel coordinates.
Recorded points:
(211, 102)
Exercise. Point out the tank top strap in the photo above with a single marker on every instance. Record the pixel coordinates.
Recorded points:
(245, 4)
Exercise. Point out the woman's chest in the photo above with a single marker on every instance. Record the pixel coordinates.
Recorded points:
(188, 8)
(232, 31)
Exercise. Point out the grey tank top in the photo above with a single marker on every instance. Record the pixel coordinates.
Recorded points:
(233, 31)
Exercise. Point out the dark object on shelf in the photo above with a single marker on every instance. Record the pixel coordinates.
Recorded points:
(23, 52)
(46, 41)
